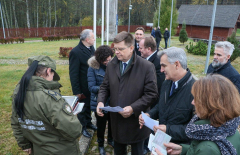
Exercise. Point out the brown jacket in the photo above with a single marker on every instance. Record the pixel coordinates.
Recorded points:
(137, 88)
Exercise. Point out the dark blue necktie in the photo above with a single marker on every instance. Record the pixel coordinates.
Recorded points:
(172, 88)
(124, 67)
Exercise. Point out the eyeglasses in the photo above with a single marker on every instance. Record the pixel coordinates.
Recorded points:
(119, 49)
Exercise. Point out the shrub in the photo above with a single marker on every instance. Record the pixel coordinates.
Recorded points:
(232, 39)
(2, 41)
(21, 39)
(16, 39)
(45, 38)
(199, 49)
(10, 40)
(6, 41)
(64, 51)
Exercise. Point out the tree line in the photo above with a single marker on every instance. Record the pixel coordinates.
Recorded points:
(67, 13)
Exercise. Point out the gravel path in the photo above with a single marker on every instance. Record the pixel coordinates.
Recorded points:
(18, 62)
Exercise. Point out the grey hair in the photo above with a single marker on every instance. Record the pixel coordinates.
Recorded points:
(228, 48)
(85, 34)
(175, 54)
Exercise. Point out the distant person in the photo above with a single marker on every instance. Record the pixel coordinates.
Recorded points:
(213, 130)
(131, 83)
(78, 68)
(174, 109)
(158, 37)
(166, 36)
(147, 47)
(139, 34)
(42, 121)
(96, 72)
(153, 32)
(221, 63)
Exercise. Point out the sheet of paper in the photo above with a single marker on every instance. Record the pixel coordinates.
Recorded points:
(78, 108)
(112, 109)
(71, 100)
(158, 141)
(151, 137)
(150, 123)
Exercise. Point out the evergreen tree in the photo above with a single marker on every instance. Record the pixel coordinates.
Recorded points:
(183, 36)
(236, 53)
(165, 16)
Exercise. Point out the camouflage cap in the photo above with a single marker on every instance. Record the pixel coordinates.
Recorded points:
(47, 62)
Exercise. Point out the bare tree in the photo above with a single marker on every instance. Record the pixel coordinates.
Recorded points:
(27, 14)
(49, 2)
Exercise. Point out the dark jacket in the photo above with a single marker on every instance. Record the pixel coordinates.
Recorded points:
(160, 76)
(137, 88)
(78, 68)
(49, 126)
(136, 49)
(96, 73)
(209, 147)
(153, 33)
(166, 34)
(175, 111)
(227, 71)
(158, 35)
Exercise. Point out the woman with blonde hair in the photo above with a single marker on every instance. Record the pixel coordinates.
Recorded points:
(213, 129)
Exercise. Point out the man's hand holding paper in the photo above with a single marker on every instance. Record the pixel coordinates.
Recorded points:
(127, 112)
(148, 122)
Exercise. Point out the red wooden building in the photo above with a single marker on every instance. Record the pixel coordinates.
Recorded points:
(198, 20)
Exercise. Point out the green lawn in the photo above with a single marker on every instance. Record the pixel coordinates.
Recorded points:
(238, 33)
(11, 74)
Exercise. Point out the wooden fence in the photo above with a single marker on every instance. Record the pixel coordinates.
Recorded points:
(39, 32)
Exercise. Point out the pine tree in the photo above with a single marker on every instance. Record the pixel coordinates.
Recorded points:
(165, 16)
(183, 36)
(236, 53)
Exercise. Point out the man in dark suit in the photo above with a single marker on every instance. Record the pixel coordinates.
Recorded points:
(158, 36)
(147, 47)
(131, 82)
(78, 68)
(139, 35)
(221, 63)
(174, 109)
(166, 36)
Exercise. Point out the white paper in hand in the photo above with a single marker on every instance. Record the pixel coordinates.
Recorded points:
(112, 109)
(150, 123)
(158, 141)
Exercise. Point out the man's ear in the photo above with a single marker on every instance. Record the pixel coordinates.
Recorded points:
(177, 64)
(228, 56)
(131, 47)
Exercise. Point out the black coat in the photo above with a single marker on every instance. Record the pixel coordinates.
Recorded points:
(228, 71)
(175, 111)
(158, 35)
(166, 35)
(78, 68)
(160, 76)
(136, 49)
(137, 88)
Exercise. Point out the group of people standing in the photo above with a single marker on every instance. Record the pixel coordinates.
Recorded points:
(156, 33)
(204, 113)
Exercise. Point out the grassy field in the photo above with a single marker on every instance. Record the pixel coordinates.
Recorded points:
(11, 74)
(238, 33)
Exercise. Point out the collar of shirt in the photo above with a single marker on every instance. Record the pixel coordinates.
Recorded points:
(176, 84)
(151, 55)
(125, 62)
